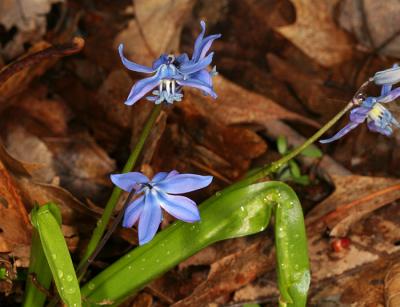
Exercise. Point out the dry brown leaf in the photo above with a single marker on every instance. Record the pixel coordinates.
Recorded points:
(15, 77)
(53, 115)
(316, 33)
(111, 95)
(145, 39)
(392, 286)
(41, 193)
(29, 19)
(198, 142)
(142, 300)
(228, 274)
(354, 275)
(236, 105)
(83, 166)
(373, 23)
(20, 80)
(15, 234)
(16, 166)
(311, 86)
(26, 147)
(172, 13)
(345, 207)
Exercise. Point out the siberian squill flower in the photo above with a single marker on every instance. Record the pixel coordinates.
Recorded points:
(387, 76)
(379, 119)
(160, 192)
(170, 73)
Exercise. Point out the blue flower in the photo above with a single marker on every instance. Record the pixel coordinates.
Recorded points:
(379, 119)
(159, 193)
(388, 76)
(170, 73)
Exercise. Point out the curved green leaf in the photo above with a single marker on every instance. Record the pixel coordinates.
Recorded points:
(227, 215)
(47, 221)
(291, 249)
(312, 151)
(40, 269)
(282, 145)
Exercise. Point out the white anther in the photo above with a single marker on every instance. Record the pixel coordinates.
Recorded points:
(167, 86)
(173, 87)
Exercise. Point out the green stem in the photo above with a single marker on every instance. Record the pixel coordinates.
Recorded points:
(116, 193)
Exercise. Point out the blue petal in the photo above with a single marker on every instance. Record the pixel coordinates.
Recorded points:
(198, 42)
(386, 88)
(183, 183)
(203, 76)
(172, 173)
(150, 218)
(163, 59)
(180, 207)
(133, 212)
(131, 65)
(385, 130)
(182, 58)
(358, 115)
(141, 88)
(192, 67)
(341, 133)
(159, 176)
(390, 96)
(198, 84)
(388, 76)
(128, 181)
(206, 45)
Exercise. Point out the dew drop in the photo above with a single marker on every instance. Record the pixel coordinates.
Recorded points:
(242, 208)
(69, 278)
(168, 252)
(54, 256)
(70, 290)
(130, 267)
(157, 260)
(218, 194)
(60, 273)
(91, 286)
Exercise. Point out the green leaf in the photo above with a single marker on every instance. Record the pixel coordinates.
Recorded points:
(304, 180)
(282, 145)
(3, 273)
(284, 174)
(47, 221)
(294, 169)
(40, 269)
(227, 215)
(251, 305)
(291, 250)
(312, 151)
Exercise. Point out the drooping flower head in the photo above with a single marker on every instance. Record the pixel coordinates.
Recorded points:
(379, 119)
(160, 192)
(170, 73)
(387, 76)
